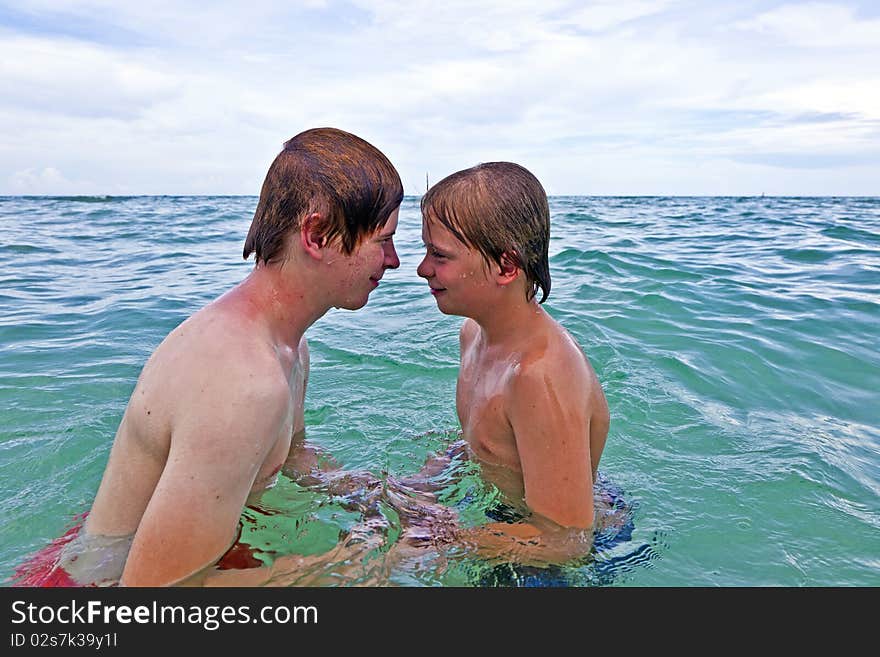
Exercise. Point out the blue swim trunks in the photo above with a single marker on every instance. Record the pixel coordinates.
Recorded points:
(518, 575)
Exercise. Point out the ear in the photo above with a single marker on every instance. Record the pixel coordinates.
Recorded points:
(310, 235)
(508, 270)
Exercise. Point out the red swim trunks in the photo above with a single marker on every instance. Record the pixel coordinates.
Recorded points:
(42, 569)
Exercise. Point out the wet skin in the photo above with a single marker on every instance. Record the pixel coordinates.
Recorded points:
(531, 408)
(218, 408)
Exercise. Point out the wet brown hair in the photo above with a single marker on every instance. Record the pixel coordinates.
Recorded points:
(497, 208)
(330, 171)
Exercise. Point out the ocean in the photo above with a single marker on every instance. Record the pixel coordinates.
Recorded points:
(736, 340)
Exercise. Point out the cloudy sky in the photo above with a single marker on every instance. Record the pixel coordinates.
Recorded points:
(637, 97)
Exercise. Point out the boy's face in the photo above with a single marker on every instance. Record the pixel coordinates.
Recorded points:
(459, 277)
(359, 273)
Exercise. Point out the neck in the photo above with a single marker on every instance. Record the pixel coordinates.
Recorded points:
(281, 299)
(508, 321)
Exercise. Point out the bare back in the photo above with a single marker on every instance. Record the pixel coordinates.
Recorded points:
(207, 428)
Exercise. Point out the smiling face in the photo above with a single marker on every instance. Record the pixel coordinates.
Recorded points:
(460, 278)
(358, 274)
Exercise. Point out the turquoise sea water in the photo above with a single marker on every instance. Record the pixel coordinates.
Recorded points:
(736, 340)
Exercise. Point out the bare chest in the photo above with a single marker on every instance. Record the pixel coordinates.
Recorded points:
(481, 402)
(268, 473)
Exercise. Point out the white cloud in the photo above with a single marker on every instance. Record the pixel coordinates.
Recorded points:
(611, 13)
(860, 96)
(65, 76)
(46, 181)
(817, 25)
(193, 98)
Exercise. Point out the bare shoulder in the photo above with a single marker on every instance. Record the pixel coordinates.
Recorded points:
(587, 382)
(468, 333)
(554, 364)
(211, 371)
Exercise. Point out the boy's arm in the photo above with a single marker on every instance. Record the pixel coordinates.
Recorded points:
(216, 453)
(548, 410)
(427, 479)
(533, 541)
(524, 542)
(549, 413)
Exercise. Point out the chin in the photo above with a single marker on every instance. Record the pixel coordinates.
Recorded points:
(354, 304)
(446, 310)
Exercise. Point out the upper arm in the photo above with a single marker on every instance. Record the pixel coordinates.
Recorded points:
(215, 455)
(549, 413)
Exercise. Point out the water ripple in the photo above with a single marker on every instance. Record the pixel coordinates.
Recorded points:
(735, 339)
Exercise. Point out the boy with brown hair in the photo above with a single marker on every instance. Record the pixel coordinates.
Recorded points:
(218, 408)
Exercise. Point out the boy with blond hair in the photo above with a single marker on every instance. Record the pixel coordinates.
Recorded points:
(532, 411)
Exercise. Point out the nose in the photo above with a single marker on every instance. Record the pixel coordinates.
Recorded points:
(423, 270)
(391, 259)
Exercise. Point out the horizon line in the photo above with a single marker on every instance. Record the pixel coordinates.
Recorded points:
(119, 196)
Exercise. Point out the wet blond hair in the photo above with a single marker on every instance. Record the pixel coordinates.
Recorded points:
(500, 209)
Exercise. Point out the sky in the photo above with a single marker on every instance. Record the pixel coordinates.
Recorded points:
(618, 97)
